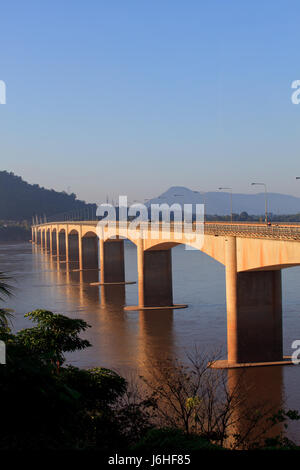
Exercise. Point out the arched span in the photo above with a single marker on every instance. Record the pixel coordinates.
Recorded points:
(117, 236)
(90, 234)
(211, 246)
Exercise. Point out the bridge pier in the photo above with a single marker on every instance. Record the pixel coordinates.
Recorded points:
(54, 242)
(61, 244)
(112, 261)
(89, 252)
(38, 237)
(43, 239)
(157, 279)
(47, 238)
(154, 279)
(73, 247)
(254, 314)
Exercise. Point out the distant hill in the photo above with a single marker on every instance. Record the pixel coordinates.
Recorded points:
(218, 203)
(20, 200)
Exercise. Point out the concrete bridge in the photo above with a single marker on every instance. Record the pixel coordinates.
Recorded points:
(253, 255)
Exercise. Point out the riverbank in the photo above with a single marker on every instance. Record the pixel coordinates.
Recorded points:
(14, 233)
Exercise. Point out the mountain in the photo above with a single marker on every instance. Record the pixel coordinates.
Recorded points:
(20, 200)
(218, 203)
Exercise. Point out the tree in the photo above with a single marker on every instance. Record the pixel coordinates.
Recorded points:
(53, 336)
(6, 291)
(200, 400)
(50, 410)
(244, 216)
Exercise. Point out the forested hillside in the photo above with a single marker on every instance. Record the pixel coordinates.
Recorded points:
(20, 200)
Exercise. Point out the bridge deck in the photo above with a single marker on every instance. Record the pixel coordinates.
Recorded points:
(276, 231)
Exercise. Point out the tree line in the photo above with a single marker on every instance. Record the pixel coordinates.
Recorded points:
(20, 200)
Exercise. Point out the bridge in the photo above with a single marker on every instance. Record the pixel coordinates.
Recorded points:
(253, 256)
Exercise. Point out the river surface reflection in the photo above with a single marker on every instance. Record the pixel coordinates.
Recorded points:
(124, 340)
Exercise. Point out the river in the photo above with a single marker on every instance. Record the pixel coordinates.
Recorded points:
(124, 340)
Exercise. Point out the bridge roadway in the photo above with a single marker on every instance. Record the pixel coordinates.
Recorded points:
(253, 256)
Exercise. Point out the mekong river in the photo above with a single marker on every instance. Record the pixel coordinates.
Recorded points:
(123, 340)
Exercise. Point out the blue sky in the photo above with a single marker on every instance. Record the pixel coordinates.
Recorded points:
(132, 96)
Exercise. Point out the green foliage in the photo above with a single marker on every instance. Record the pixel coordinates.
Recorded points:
(172, 440)
(51, 409)
(6, 291)
(5, 286)
(54, 335)
(98, 387)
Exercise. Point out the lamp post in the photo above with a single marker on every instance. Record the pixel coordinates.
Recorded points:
(228, 189)
(266, 199)
(203, 194)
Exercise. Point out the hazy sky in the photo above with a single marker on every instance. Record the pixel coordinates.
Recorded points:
(134, 96)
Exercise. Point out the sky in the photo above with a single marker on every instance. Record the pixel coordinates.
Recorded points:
(109, 97)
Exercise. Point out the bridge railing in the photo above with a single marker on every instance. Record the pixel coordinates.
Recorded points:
(254, 230)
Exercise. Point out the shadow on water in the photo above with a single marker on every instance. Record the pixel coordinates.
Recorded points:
(260, 395)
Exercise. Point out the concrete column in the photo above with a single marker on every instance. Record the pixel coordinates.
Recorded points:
(112, 261)
(90, 252)
(140, 266)
(80, 249)
(73, 247)
(101, 257)
(259, 325)
(42, 239)
(57, 242)
(67, 245)
(62, 244)
(231, 298)
(32, 235)
(157, 282)
(47, 234)
(54, 242)
(50, 240)
(254, 312)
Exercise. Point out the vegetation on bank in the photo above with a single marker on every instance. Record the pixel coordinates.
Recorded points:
(20, 200)
(47, 404)
(14, 232)
(245, 217)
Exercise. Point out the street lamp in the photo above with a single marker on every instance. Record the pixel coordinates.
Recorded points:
(203, 194)
(266, 199)
(228, 189)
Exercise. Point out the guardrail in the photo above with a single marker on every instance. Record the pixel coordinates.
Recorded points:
(276, 231)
